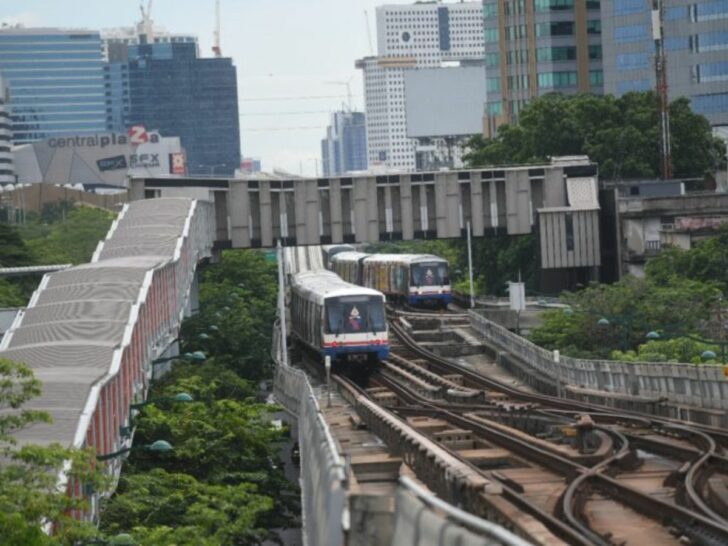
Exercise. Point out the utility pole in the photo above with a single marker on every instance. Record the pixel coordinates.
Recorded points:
(661, 88)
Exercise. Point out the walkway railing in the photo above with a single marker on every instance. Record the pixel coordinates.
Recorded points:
(701, 386)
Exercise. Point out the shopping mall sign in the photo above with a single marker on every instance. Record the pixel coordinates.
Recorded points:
(137, 135)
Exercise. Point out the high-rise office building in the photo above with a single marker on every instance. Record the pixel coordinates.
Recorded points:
(167, 87)
(695, 35)
(345, 147)
(115, 41)
(7, 172)
(421, 35)
(56, 82)
(533, 47)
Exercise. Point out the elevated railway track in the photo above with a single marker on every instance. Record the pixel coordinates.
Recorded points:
(552, 470)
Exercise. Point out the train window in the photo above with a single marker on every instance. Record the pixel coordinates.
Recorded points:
(433, 274)
(355, 314)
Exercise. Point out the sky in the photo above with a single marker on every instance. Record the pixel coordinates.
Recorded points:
(284, 50)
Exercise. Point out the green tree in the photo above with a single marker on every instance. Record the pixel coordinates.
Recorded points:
(71, 241)
(633, 307)
(29, 476)
(620, 134)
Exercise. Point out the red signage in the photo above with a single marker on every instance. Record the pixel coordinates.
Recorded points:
(138, 135)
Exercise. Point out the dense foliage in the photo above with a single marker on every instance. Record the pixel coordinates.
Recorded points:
(681, 295)
(223, 483)
(620, 134)
(29, 493)
(61, 234)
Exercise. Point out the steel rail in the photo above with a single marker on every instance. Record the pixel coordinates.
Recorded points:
(552, 401)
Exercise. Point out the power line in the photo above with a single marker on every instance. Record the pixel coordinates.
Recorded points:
(300, 113)
(301, 97)
(271, 129)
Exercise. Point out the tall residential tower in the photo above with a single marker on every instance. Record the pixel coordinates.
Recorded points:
(421, 35)
(533, 47)
(7, 172)
(695, 35)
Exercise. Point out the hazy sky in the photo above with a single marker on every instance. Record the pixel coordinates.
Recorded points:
(282, 49)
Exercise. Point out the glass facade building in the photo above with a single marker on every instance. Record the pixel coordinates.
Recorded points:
(7, 172)
(345, 147)
(533, 47)
(696, 45)
(167, 87)
(56, 82)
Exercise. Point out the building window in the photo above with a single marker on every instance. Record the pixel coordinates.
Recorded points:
(594, 26)
(595, 52)
(593, 4)
(631, 33)
(627, 86)
(548, 80)
(710, 104)
(596, 77)
(515, 7)
(517, 56)
(710, 41)
(676, 13)
(560, 28)
(712, 72)
(626, 7)
(633, 61)
(564, 53)
(495, 108)
(493, 84)
(569, 228)
(490, 10)
(492, 59)
(553, 5)
(515, 32)
(491, 35)
(709, 11)
(676, 43)
(518, 82)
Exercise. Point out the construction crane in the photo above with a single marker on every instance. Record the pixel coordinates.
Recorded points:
(216, 49)
(146, 25)
(348, 90)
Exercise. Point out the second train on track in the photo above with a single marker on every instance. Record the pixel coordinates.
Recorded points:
(416, 279)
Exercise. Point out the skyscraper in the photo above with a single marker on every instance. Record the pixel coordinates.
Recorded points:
(533, 47)
(56, 82)
(695, 38)
(345, 147)
(165, 86)
(421, 35)
(7, 172)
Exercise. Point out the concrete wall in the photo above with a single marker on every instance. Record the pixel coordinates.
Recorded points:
(32, 198)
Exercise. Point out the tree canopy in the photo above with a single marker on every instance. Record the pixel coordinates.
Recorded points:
(620, 134)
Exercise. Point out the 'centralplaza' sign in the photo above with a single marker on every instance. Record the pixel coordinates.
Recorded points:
(102, 141)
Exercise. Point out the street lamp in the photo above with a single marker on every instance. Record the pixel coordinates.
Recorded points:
(160, 446)
(603, 322)
(196, 356)
(705, 355)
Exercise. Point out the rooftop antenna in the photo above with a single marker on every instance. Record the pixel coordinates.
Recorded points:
(216, 49)
(369, 33)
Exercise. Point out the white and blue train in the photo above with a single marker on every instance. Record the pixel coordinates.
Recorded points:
(337, 318)
(417, 279)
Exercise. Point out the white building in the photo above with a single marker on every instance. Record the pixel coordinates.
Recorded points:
(410, 37)
(7, 172)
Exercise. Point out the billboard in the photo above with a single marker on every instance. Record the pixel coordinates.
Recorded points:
(444, 102)
(104, 159)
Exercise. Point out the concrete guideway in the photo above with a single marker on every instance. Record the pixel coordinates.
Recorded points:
(90, 332)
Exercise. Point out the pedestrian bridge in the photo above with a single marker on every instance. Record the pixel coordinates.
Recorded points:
(558, 201)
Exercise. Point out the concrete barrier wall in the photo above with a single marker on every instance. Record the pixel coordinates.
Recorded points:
(700, 386)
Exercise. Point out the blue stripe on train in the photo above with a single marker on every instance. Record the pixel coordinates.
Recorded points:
(382, 351)
(424, 298)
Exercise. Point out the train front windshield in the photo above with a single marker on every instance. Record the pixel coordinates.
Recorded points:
(355, 314)
(424, 274)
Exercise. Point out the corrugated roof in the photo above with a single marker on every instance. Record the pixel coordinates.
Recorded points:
(76, 321)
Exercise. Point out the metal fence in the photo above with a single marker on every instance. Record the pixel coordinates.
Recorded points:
(701, 386)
